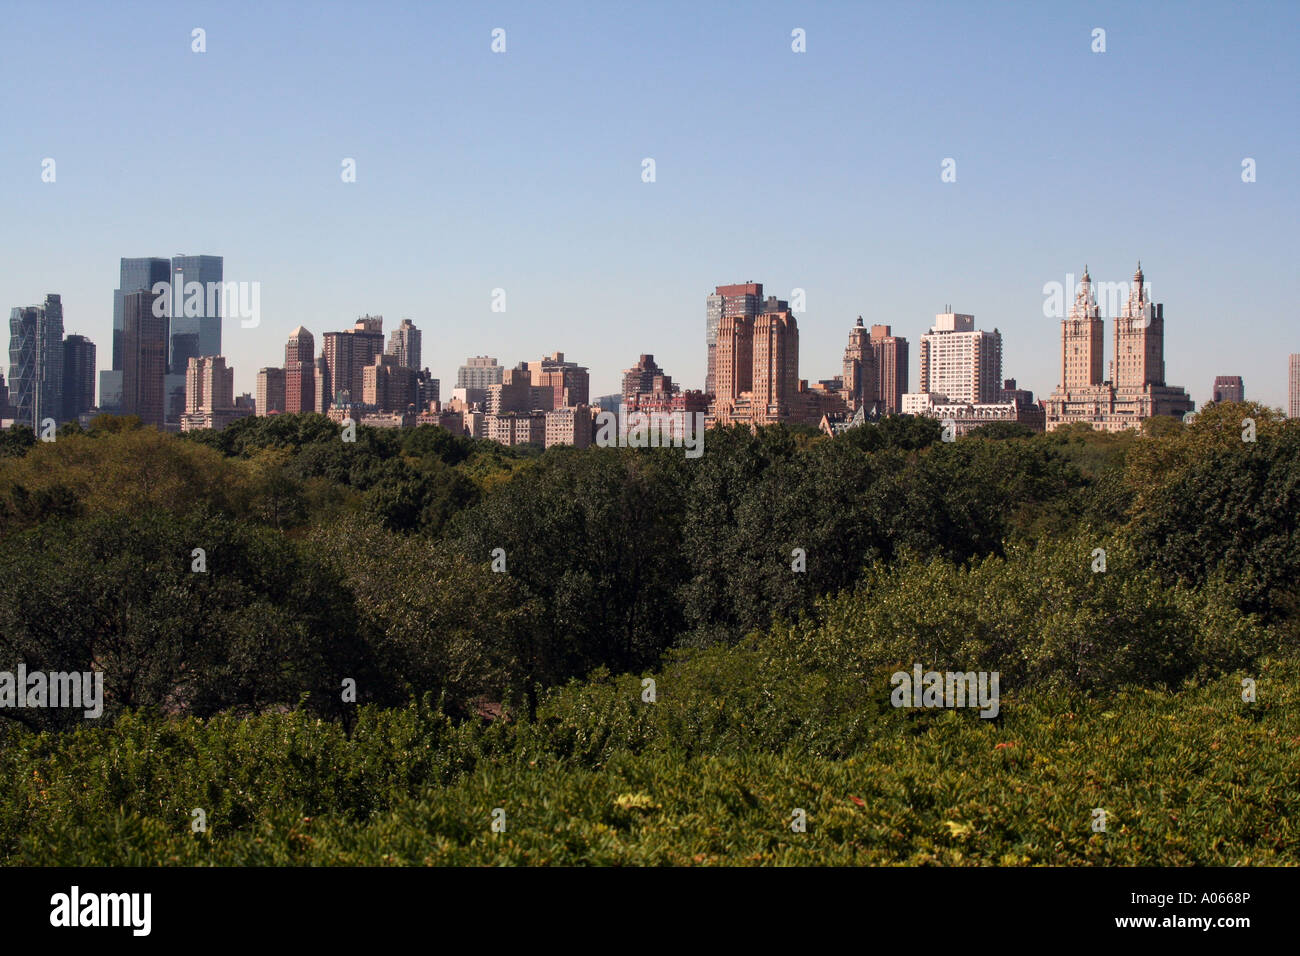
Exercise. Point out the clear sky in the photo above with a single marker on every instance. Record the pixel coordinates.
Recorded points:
(523, 170)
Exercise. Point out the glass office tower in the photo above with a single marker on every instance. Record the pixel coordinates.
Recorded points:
(138, 275)
(195, 312)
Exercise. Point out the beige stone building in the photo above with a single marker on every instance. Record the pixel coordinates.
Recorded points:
(1136, 389)
(756, 369)
(210, 394)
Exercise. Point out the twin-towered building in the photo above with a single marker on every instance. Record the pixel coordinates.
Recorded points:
(1135, 388)
(753, 369)
(161, 360)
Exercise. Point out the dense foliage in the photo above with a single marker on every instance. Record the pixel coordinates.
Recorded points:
(769, 587)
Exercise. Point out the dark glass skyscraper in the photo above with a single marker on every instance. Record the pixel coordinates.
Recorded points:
(78, 376)
(196, 308)
(138, 275)
(144, 358)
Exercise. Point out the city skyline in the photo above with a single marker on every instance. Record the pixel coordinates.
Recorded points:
(402, 349)
(533, 182)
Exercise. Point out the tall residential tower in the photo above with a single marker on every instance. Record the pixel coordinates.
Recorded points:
(743, 301)
(1136, 388)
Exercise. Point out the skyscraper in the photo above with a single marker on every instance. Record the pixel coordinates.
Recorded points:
(960, 363)
(743, 300)
(36, 362)
(299, 374)
(137, 275)
(776, 363)
(78, 377)
(1228, 388)
(320, 402)
(347, 354)
(209, 384)
(1139, 339)
(210, 394)
(404, 343)
(271, 392)
(196, 307)
(891, 356)
(733, 360)
(1083, 337)
(144, 358)
(859, 371)
(757, 367)
(388, 385)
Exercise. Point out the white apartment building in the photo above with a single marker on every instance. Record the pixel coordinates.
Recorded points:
(959, 363)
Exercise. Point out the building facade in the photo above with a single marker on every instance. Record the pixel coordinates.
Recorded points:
(1228, 388)
(135, 275)
(1136, 389)
(210, 395)
(757, 369)
(389, 386)
(571, 425)
(891, 352)
(858, 381)
(347, 355)
(959, 363)
(640, 377)
(300, 373)
(404, 344)
(196, 308)
(742, 300)
(516, 429)
(567, 383)
(479, 372)
(271, 391)
(36, 362)
(78, 377)
(965, 416)
(144, 358)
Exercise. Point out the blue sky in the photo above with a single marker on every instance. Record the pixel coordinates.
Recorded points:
(522, 171)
